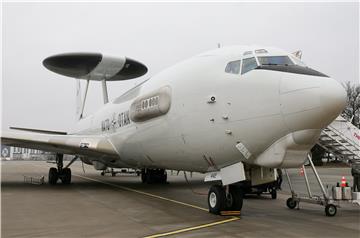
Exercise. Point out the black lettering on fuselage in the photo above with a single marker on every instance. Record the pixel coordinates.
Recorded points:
(123, 119)
(148, 103)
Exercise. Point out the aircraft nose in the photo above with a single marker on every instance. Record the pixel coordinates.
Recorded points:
(309, 102)
(332, 98)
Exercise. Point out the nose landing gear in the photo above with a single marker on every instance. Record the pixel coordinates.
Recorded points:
(228, 198)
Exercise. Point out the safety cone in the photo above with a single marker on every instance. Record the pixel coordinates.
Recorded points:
(343, 181)
(301, 171)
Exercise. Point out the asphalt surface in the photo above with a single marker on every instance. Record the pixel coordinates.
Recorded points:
(121, 206)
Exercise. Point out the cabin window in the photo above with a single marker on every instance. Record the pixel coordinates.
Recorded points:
(275, 60)
(233, 67)
(248, 65)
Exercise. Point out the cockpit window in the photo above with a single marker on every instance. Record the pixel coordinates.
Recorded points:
(275, 60)
(248, 64)
(233, 67)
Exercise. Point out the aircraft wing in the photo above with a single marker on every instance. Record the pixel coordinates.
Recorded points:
(81, 145)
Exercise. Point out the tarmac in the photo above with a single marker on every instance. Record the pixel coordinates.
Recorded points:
(121, 206)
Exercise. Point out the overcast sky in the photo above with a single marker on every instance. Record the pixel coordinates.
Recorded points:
(159, 35)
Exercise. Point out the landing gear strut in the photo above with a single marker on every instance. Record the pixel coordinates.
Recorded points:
(153, 176)
(64, 174)
(228, 198)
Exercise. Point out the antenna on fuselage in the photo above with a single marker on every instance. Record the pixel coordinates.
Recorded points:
(105, 91)
(93, 67)
(80, 102)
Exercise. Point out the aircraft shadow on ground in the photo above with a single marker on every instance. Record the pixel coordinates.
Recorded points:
(94, 184)
(197, 186)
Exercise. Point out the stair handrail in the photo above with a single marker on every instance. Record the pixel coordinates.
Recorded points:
(342, 144)
(339, 133)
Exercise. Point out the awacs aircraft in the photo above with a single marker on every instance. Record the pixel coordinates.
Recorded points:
(234, 113)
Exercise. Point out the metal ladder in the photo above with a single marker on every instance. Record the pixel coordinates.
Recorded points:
(340, 139)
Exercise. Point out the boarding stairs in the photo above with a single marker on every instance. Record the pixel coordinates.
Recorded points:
(342, 139)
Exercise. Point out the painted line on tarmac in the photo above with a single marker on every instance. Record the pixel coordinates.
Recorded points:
(207, 225)
(193, 228)
(143, 193)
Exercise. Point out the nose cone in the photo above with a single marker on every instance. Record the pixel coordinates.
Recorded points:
(332, 99)
(309, 102)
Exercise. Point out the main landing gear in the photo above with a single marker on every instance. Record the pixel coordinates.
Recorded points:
(153, 176)
(228, 198)
(64, 174)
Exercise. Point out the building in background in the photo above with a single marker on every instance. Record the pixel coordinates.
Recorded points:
(16, 153)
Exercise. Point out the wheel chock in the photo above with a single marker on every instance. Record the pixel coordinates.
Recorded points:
(230, 213)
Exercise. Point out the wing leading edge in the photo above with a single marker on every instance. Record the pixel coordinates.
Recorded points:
(90, 146)
(38, 130)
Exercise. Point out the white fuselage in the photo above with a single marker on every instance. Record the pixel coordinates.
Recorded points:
(277, 116)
